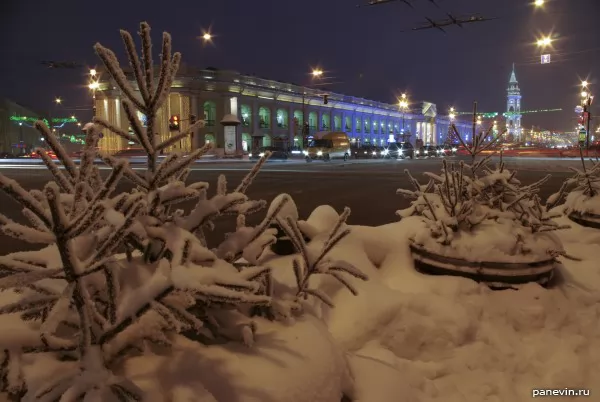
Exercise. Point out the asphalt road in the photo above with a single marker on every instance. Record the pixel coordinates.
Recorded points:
(368, 187)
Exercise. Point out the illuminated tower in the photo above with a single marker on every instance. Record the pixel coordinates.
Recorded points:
(513, 107)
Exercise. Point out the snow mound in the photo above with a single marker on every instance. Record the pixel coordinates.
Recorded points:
(299, 363)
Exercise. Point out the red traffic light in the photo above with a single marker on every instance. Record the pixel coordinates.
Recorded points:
(174, 122)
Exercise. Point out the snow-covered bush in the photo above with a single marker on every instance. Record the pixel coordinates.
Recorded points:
(312, 261)
(476, 200)
(127, 274)
(580, 194)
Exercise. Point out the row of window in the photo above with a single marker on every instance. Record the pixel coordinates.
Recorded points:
(282, 120)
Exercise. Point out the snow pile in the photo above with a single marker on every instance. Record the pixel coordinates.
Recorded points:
(580, 193)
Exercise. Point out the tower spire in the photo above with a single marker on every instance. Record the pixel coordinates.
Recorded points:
(513, 75)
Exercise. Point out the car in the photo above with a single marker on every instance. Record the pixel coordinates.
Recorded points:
(399, 150)
(427, 151)
(327, 146)
(447, 150)
(276, 153)
(366, 151)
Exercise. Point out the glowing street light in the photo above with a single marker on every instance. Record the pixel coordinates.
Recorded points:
(93, 72)
(539, 3)
(584, 94)
(584, 84)
(317, 72)
(545, 41)
(94, 85)
(452, 114)
(207, 36)
(58, 101)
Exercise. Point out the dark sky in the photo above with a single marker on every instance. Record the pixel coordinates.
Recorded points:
(363, 48)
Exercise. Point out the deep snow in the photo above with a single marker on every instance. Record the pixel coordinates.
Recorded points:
(405, 337)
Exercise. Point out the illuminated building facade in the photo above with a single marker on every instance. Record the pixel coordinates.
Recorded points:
(265, 112)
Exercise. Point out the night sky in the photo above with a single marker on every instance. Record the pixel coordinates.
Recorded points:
(363, 49)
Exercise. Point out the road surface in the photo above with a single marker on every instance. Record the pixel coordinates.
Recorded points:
(368, 187)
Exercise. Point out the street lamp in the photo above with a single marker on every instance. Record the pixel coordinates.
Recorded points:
(316, 73)
(403, 104)
(544, 41)
(586, 101)
(58, 101)
(539, 3)
(93, 86)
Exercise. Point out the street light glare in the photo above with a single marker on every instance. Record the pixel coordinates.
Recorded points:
(539, 3)
(58, 100)
(207, 36)
(545, 41)
(317, 73)
(584, 84)
(93, 72)
(93, 85)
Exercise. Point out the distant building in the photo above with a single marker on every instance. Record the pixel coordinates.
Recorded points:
(243, 112)
(513, 108)
(17, 136)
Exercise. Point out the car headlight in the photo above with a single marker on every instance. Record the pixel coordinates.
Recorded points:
(261, 154)
(374, 153)
(385, 151)
(418, 152)
(305, 152)
(319, 153)
(249, 155)
(454, 149)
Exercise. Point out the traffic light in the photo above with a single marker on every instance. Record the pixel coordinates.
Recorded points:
(325, 100)
(174, 123)
(192, 119)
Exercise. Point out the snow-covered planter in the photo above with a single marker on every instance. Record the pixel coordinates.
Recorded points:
(479, 222)
(128, 279)
(581, 196)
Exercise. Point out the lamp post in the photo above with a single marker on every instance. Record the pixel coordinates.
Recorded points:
(93, 86)
(316, 73)
(586, 101)
(403, 105)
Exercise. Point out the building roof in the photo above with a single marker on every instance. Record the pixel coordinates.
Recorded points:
(513, 76)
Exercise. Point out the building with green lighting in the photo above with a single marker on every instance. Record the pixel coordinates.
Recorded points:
(17, 136)
(243, 112)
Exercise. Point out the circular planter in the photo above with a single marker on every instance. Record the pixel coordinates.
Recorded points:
(497, 275)
(585, 219)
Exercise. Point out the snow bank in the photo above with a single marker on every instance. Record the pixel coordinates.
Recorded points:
(413, 337)
(299, 363)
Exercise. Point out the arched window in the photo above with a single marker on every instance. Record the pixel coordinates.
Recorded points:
(348, 124)
(325, 122)
(246, 115)
(367, 123)
(267, 141)
(210, 113)
(282, 118)
(264, 116)
(246, 142)
(358, 124)
(375, 126)
(337, 123)
(312, 120)
(298, 118)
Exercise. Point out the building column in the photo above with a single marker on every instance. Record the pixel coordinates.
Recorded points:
(196, 140)
(291, 126)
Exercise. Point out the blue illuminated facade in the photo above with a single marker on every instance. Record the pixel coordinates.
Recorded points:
(267, 112)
